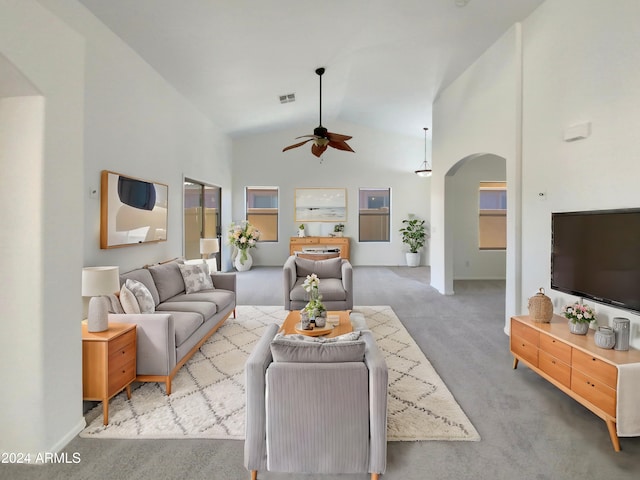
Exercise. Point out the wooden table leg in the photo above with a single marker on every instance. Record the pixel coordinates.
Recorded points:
(128, 392)
(611, 425)
(374, 476)
(515, 363)
(254, 474)
(105, 411)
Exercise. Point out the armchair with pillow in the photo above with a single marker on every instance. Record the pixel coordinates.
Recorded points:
(316, 405)
(336, 282)
(176, 308)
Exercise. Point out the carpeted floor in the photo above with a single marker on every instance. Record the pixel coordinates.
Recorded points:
(208, 401)
(529, 429)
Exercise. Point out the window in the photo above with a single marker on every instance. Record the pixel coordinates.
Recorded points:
(374, 218)
(492, 212)
(262, 211)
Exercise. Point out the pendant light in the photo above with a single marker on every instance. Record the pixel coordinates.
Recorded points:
(424, 170)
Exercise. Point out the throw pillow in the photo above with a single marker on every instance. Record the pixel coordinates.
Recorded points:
(196, 277)
(293, 348)
(142, 294)
(128, 300)
(330, 268)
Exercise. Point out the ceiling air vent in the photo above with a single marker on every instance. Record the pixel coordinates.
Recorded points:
(288, 98)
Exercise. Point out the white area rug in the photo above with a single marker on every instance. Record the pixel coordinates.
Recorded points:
(208, 392)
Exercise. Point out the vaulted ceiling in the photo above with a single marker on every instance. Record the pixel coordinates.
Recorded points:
(386, 60)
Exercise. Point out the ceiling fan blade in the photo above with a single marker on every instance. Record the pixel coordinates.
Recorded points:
(338, 137)
(307, 136)
(317, 151)
(341, 145)
(295, 145)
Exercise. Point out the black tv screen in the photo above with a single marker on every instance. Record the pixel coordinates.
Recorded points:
(596, 255)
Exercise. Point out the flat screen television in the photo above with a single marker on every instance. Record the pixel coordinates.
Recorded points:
(596, 255)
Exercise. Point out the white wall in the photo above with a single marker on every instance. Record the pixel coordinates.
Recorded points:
(139, 125)
(589, 72)
(469, 262)
(381, 160)
(105, 108)
(478, 114)
(41, 242)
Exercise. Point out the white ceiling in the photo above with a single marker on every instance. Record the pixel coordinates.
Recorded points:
(386, 60)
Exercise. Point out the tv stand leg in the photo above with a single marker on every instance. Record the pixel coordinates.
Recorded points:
(515, 363)
(611, 425)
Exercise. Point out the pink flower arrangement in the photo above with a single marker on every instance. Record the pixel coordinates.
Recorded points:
(578, 313)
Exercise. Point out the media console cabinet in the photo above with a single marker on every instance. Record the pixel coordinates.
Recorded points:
(319, 244)
(573, 363)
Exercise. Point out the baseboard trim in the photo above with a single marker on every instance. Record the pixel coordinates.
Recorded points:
(64, 441)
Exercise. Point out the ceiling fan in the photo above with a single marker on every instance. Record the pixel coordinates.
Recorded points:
(321, 137)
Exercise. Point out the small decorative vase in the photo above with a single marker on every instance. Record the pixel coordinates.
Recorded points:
(321, 320)
(621, 330)
(305, 322)
(243, 264)
(580, 328)
(605, 337)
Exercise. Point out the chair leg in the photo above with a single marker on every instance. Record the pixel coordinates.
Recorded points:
(254, 475)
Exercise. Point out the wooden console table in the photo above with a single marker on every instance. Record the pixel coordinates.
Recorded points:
(297, 244)
(573, 363)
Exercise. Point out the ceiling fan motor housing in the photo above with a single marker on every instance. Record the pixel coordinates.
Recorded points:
(320, 132)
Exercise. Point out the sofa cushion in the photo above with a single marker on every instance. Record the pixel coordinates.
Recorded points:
(144, 276)
(222, 298)
(168, 280)
(304, 349)
(196, 277)
(185, 324)
(329, 268)
(142, 294)
(331, 290)
(128, 300)
(205, 309)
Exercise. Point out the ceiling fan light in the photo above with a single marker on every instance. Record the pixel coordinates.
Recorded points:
(321, 142)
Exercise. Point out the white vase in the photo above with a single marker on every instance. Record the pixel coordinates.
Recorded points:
(243, 265)
(413, 259)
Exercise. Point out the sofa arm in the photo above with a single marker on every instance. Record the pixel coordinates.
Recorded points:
(155, 340)
(290, 276)
(224, 281)
(378, 386)
(255, 448)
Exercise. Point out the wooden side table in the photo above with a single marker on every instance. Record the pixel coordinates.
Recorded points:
(108, 363)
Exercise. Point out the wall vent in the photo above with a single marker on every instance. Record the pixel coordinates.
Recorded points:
(288, 98)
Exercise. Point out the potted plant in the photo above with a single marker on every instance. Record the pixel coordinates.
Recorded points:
(243, 237)
(338, 229)
(301, 230)
(414, 236)
(579, 316)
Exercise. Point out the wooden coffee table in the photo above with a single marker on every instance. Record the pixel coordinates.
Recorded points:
(344, 325)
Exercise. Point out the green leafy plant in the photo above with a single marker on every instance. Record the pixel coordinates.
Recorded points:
(338, 228)
(414, 234)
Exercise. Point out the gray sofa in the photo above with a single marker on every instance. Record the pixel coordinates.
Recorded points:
(316, 407)
(336, 282)
(181, 322)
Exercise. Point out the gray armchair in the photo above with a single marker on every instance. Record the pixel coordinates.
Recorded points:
(306, 416)
(336, 282)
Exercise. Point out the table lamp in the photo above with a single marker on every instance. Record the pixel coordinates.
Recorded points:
(207, 247)
(96, 282)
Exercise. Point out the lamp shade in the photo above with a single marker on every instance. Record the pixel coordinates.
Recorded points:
(98, 281)
(209, 246)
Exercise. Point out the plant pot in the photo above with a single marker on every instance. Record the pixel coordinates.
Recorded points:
(413, 259)
(243, 265)
(579, 328)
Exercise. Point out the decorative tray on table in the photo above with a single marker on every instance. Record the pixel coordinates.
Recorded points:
(315, 332)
